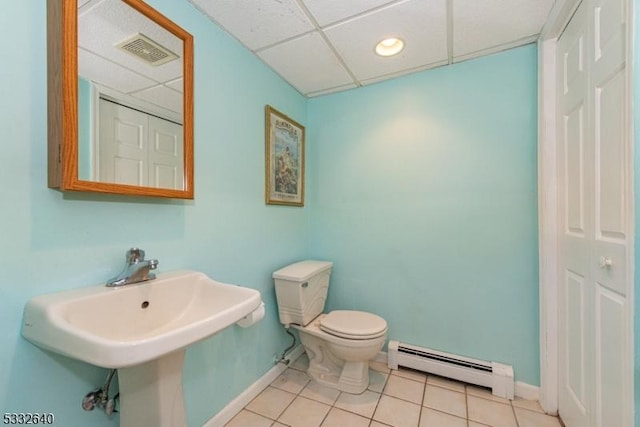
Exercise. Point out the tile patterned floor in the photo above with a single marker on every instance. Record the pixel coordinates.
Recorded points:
(402, 398)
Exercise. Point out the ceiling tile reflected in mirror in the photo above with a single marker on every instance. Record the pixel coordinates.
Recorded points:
(103, 26)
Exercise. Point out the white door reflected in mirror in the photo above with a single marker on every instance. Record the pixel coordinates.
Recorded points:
(137, 148)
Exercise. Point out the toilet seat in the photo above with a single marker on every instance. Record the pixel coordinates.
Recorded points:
(355, 325)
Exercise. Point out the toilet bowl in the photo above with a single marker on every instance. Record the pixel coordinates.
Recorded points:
(339, 357)
(339, 344)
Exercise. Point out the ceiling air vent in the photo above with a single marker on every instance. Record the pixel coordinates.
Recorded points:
(146, 49)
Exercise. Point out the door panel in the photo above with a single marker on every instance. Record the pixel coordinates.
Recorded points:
(122, 145)
(574, 296)
(575, 316)
(128, 171)
(574, 167)
(610, 344)
(610, 158)
(165, 154)
(607, 15)
(608, 31)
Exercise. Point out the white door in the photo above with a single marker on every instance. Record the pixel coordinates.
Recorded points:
(595, 333)
(136, 148)
(122, 142)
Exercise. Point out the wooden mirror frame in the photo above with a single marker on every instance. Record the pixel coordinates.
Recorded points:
(62, 103)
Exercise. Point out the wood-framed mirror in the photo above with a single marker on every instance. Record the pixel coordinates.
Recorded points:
(120, 99)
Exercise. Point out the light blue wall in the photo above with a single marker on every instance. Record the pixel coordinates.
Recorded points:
(636, 189)
(52, 241)
(423, 192)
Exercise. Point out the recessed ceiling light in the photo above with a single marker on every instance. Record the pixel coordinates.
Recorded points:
(389, 47)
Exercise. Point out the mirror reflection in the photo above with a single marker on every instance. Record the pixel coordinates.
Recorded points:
(130, 98)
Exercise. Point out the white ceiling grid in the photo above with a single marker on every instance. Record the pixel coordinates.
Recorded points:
(324, 46)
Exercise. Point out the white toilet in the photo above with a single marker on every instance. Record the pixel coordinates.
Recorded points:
(340, 343)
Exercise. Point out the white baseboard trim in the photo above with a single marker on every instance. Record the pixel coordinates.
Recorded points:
(242, 400)
(527, 391)
(522, 390)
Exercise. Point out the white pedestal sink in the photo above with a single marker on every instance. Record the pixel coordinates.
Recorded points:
(142, 330)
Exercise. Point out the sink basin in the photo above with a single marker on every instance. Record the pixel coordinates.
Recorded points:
(126, 326)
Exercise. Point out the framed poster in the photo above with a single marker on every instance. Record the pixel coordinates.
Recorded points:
(284, 159)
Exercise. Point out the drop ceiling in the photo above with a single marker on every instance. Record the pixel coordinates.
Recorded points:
(325, 46)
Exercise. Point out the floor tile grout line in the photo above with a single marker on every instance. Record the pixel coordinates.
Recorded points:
(285, 410)
(445, 412)
(515, 417)
(255, 413)
(265, 416)
(466, 405)
(423, 401)
(424, 393)
(530, 410)
(489, 398)
(399, 398)
(292, 400)
(377, 404)
(325, 415)
(407, 378)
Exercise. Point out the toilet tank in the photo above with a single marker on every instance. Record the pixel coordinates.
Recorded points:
(301, 291)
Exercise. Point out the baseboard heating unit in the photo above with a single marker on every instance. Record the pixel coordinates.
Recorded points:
(494, 375)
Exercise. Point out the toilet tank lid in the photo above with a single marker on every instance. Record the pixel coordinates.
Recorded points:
(302, 271)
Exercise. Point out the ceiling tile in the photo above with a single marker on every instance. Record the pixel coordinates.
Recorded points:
(106, 73)
(329, 11)
(421, 24)
(258, 23)
(307, 63)
(480, 25)
(162, 96)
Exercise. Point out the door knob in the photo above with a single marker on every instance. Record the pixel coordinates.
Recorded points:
(605, 262)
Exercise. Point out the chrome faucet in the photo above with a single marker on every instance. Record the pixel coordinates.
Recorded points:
(136, 269)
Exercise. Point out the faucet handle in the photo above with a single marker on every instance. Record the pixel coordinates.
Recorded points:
(134, 255)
